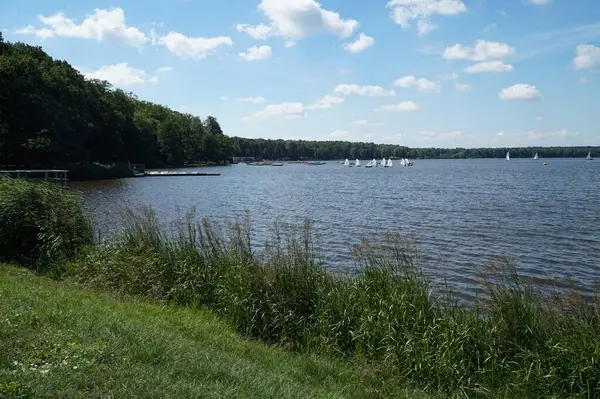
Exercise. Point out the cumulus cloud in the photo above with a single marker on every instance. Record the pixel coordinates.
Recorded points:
(421, 84)
(253, 100)
(520, 91)
(258, 32)
(489, 66)
(401, 107)
(540, 2)
(165, 69)
(369, 91)
(256, 53)
(192, 47)
(482, 51)
(102, 26)
(587, 56)
(406, 11)
(326, 102)
(461, 86)
(364, 123)
(362, 43)
(338, 134)
(287, 110)
(296, 19)
(121, 74)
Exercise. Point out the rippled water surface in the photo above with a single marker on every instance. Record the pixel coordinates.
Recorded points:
(546, 217)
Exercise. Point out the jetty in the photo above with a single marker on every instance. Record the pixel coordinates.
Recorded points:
(59, 176)
(171, 173)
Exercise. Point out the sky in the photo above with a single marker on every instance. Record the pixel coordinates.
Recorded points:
(420, 73)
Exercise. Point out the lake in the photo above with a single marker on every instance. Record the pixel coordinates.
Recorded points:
(466, 211)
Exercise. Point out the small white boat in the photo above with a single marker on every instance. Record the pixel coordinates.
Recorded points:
(407, 162)
(508, 156)
(535, 156)
(589, 157)
(357, 163)
(383, 162)
(402, 162)
(389, 163)
(277, 164)
(347, 163)
(371, 164)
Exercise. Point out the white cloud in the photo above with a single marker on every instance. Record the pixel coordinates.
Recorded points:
(102, 26)
(489, 66)
(338, 134)
(420, 84)
(405, 11)
(121, 75)
(462, 86)
(286, 110)
(258, 32)
(253, 100)
(482, 51)
(362, 43)
(452, 76)
(326, 102)
(520, 92)
(540, 118)
(289, 43)
(224, 98)
(370, 91)
(588, 56)
(296, 19)
(402, 106)
(540, 2)
(434, 137)
(165, 69)
(368, 124)
(192, 47)
(558, 135)
(583, 80)
(490, 27)
(255, 53)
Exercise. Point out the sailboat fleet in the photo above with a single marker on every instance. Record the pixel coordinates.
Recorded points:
(385, 163)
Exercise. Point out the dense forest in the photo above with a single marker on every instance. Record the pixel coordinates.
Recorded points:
(51, 116)
(299, 149)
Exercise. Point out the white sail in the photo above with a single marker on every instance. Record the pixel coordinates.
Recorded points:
(389, 163)
(508, 156)
(383, 162)
(357, 163)
(589, 155)
(407, 162)
(346, 163)
(402, 162)
(535, 156)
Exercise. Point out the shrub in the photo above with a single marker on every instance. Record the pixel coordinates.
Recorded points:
(40, 223)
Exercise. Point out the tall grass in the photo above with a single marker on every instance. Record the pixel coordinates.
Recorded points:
(40, 223)
(516, 341)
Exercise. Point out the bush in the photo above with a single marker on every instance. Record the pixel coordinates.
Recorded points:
(40, 223)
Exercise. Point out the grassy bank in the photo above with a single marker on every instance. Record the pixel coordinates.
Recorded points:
(515, 342)
(59, 340)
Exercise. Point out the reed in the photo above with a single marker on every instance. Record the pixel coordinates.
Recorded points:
(515, 341)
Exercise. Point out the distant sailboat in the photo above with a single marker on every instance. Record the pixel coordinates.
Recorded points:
(402, 162)
(383, 162)
(357, 163)
(389, 163)
(347, 163)
(370, 164)
(535, 156)
(589, 157)
(407, 162)
(508, 156)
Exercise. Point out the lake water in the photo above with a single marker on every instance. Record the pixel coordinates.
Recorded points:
(466, 211)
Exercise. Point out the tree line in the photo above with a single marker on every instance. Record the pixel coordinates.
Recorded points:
(51, 115)
(321, 150)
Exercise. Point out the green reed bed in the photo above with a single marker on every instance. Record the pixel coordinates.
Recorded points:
(516, 341)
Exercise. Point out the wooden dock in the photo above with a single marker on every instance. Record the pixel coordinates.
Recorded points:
(58, 176)
(177, 173)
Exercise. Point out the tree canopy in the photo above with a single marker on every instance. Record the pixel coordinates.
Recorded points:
(51, 115)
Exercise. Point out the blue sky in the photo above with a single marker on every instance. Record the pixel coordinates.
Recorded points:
(443, 73)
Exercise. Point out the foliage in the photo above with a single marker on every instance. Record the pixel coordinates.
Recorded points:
(61, 341)
(50, 115)
(41, 223)
(300, 149)
(516, 342)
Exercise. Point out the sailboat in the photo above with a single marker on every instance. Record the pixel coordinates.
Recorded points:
(357, 163)
(383, 162)
(508, 156)
(535, 156)
(589, 157)
(389, 163)
(347, 163)
(407, 162)
(402, 162)
(371, 163)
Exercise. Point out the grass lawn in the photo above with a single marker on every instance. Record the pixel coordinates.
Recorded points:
(61, 340)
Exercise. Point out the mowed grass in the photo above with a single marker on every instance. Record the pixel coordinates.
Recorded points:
(61, 340)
